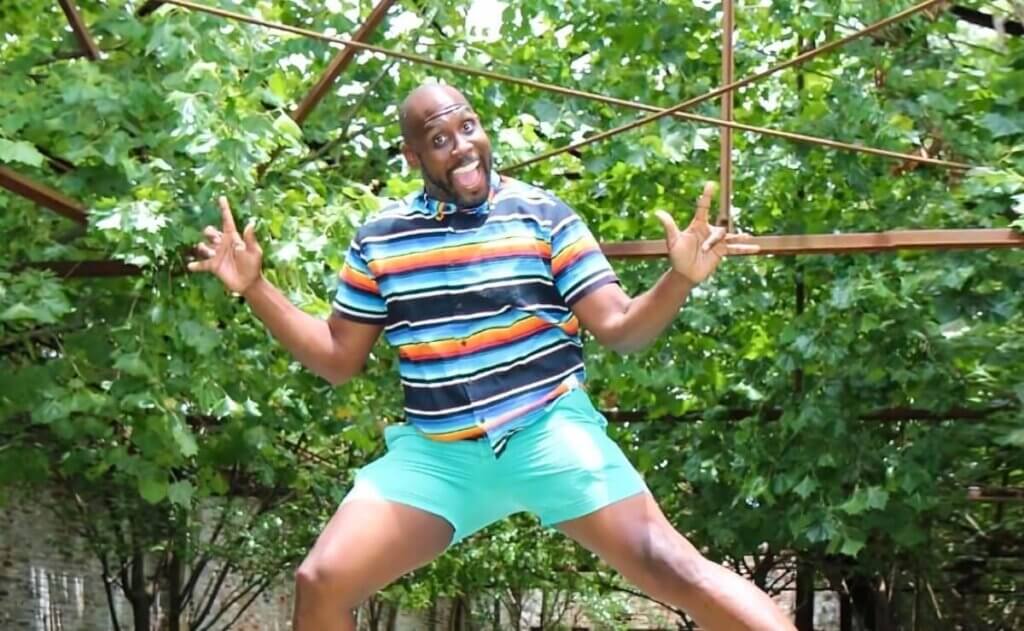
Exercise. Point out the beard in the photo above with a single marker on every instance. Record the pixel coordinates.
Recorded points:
(443, 189)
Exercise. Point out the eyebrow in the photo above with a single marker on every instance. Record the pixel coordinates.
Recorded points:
(450, 109)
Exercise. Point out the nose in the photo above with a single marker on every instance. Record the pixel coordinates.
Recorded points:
(460, 145)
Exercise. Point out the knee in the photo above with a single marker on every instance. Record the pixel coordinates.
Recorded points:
(315, 580)
(668, 559)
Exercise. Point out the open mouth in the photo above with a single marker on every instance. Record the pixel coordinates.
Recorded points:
(469, 176)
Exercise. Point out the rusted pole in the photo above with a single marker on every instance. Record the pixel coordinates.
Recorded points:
(86, 269)
(725, 159)
(340, 62)
(81, 31)
(43, 195)
(538, 85)
(786, 245)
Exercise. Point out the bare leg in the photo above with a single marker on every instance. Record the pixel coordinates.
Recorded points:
(366, 545)
(634, 537)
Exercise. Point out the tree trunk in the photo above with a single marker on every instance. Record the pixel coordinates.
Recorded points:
(137, 594)
(174, 594)
(804, 597)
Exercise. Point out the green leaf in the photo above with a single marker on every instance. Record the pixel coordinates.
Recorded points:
(19, 151)
(185, 440)
(806, 487)
(200, 337)
(180, 493)
(852, 545)
(19, 311)
(877, 498)
(153, 489)
(132, 364)
(1001, 126)
(287, 126)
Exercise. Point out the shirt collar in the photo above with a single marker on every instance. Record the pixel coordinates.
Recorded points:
(430, 206)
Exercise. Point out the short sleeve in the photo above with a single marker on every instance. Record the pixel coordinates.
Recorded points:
(357, 296)
(578, 265)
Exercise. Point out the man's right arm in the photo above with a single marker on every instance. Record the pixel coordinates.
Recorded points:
(335, 349)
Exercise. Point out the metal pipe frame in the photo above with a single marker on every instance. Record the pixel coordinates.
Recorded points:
(85, 40)
(849, 243)
(725, 157)
(556, 89)
(340, 62)
(43, 195)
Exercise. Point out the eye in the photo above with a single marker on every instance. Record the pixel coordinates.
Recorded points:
(468, 126)
(439, 141)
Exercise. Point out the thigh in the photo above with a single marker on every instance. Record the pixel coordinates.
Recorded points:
(369, 543)
(454, 481)
(634, 537)
(567, 466)
(623, 533)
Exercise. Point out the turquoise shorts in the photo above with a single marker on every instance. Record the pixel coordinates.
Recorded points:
(561, 467)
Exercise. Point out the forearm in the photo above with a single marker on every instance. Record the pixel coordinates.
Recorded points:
(306, 337)
(646, 316)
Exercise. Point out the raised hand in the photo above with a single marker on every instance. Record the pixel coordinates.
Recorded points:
(697, 251)
(233, 258)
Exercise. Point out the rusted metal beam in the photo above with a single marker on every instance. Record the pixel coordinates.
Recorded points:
(994, 494)
(149, 7)
(889, 415)
(728, 76)
(557, 89)
(86, 269)
(340, 62)
(850, 243)
(42, 195)
(81, 31)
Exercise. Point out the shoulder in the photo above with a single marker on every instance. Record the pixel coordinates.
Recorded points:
(526, 194)
(394, 218)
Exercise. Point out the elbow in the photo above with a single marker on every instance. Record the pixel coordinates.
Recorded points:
(617, 341)
(339, 375)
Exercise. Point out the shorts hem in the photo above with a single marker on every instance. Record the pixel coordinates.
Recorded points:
(583, 509)
(425, 506)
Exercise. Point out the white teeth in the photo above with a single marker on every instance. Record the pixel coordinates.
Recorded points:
(469, 167)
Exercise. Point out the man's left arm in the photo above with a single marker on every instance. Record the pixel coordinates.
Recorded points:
(627, 324)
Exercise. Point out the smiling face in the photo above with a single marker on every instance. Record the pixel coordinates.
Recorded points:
(445, 141)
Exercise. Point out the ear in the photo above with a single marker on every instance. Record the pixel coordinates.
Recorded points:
(410, 156)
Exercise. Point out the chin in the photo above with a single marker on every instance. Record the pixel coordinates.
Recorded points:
(474, 200)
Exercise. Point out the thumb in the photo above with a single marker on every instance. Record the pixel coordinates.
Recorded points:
(668, 223)
(249, 235)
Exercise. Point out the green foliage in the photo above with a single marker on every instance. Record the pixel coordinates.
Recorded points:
(157, 395)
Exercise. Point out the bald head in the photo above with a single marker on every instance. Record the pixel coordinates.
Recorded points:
(426, 103)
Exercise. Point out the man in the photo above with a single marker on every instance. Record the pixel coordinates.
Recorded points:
(482, 284)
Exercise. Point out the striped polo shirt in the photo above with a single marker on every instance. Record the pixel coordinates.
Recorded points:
(477, 303)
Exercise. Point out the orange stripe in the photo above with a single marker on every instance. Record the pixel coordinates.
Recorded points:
(572, 253)
(470, 253)
(480, 430)
(462, 434)
(357, 279)
(443, 349)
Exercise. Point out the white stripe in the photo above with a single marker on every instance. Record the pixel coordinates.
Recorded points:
(384, 238)
(606, 274)
(465, 316)
(493, 371)
(369, 315)
(525, 194)
(563, 223)
(496, 397)
(468, 290)
(473, 316)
